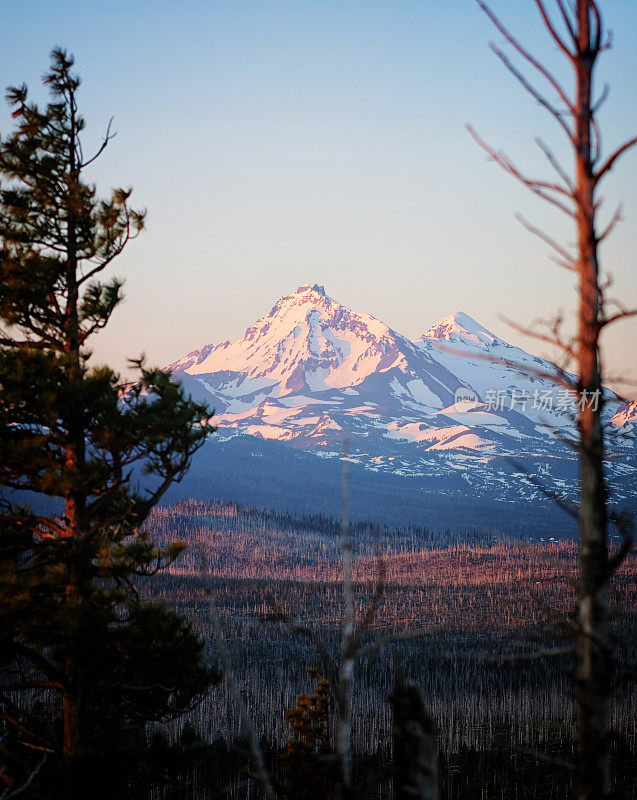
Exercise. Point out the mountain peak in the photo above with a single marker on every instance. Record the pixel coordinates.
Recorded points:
(297, 302)
(460, 328)
(300, 303)
(309, 289)
(307, 342)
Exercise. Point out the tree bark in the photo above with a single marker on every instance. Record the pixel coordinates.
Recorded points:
(344, 788)
(75, 452)
(415, 769)
(593, 655)
(581, 44)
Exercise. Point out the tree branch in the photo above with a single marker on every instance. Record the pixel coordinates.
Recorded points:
(610, 161)
(565, 255)
(556, 165)
(534, 92)
(567, 21)
(42, 663)
(526, 55)
(617, 217)
(540, 188)
(551, 29)
(553, 339)
(107, 138)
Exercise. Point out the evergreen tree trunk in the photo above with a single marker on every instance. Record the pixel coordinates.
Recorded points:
(593, 656)
(75, 451)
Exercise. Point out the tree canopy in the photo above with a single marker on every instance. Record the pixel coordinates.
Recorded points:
(84, 457)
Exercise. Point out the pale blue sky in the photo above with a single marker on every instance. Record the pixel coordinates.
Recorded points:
(281, 143)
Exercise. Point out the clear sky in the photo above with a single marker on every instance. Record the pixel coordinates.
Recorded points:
(314, 141)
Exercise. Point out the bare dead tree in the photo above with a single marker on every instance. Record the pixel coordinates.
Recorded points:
(415, 767)
(352, 649)
(348, 644)
(581, 38)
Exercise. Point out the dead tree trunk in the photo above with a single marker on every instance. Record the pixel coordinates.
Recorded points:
(415, 769)
(593, 655)
(344, 789)
(576, 195)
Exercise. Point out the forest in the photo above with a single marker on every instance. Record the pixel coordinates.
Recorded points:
(485, 611)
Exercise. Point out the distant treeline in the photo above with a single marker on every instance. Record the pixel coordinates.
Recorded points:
(186, 515)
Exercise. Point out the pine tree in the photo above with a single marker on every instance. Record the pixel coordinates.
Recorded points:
(84, 661)
(308, 760)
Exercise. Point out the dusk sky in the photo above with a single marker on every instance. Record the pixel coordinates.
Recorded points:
(282, 143)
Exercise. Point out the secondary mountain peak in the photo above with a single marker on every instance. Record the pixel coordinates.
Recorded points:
(462, 329)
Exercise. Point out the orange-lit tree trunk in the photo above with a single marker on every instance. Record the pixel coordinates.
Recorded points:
(576, 195)
(593, 654)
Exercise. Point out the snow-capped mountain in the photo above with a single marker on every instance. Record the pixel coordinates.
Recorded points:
(313, 372)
